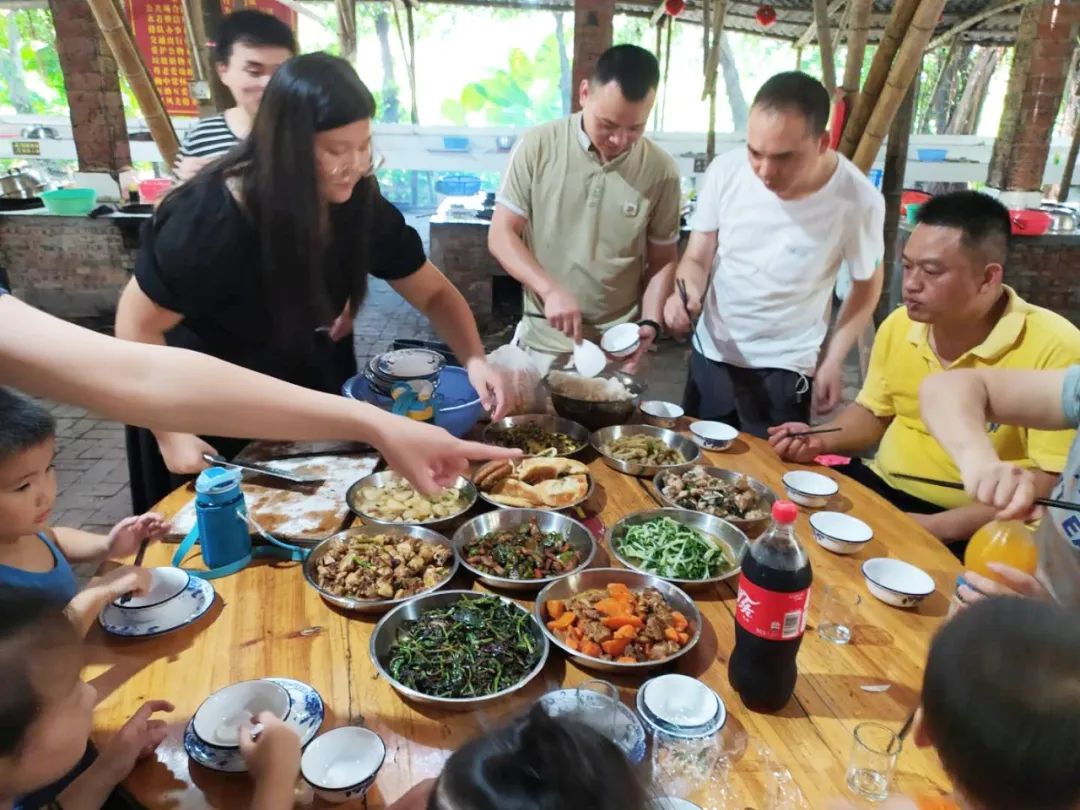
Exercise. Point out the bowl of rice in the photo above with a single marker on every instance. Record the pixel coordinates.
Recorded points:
(596, 402)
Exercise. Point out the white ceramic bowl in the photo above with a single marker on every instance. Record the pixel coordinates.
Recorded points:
(896, 582)
(672, 803)
(661, 414)
(683, 702)
(622, 340)
(342, 764)
(809, 488)
(160, 603)
(217, 721)
(840, 533)
(714, 436)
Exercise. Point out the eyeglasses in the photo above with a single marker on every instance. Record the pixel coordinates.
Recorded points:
(369, 162)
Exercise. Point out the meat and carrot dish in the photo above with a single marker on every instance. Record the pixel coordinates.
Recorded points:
(619, 624)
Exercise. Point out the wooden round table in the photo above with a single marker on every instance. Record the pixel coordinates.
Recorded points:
(268, 622)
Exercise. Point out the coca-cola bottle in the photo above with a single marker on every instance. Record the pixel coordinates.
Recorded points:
(770, 614)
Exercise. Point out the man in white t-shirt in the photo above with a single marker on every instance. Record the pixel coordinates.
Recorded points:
(772, 227)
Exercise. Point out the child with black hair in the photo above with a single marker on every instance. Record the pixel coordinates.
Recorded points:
(36, 557)
(45, 711)
(536, 762)
(1001, 707)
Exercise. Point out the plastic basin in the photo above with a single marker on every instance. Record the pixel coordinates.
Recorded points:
(150, 190)
(75, 202)
(458, 405)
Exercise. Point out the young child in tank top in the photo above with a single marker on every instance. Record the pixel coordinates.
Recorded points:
(37, 557)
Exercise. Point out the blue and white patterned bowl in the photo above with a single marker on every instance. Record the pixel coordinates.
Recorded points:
(185, 609)
(342, 763)
(306, 717)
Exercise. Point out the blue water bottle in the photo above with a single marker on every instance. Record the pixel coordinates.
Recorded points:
(221, 525)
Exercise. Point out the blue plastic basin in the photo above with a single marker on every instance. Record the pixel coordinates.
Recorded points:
(458, 406)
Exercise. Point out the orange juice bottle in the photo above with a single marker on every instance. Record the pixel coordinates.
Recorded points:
(1002, 541)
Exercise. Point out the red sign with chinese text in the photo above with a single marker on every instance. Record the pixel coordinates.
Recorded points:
(160, 34)
(279, 10)
(158, 26)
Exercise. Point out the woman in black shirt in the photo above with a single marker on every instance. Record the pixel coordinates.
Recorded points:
(262, 259)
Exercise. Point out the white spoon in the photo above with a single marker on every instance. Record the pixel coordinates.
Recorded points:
(589, 359)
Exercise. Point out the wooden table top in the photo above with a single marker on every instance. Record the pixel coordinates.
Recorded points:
(268, 622)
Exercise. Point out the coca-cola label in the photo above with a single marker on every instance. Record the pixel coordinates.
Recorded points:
(771, 615)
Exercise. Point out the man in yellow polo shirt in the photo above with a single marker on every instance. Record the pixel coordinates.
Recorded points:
(957, 314)
(587, 218)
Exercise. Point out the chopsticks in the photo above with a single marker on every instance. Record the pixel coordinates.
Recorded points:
(685, 298)
(1051, 502)
(138, 564)
(813, 432)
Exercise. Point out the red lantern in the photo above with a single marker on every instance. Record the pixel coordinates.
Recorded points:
(674, 7)
(766, 15)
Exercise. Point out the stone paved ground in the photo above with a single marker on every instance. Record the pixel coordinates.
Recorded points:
(91, 466)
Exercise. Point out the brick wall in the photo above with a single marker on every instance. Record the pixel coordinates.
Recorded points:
(73, 267)
(93, 88)
(1044, 49)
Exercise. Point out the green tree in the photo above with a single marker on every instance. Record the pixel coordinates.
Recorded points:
(526, 93)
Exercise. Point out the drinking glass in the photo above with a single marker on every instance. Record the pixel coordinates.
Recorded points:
(874, 753)
(838, 612)
(598, 706)
(682, 765)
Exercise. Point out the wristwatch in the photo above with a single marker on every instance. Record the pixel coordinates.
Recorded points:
(655, 326)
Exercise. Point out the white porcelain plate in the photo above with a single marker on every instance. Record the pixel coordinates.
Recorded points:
(189, 607)
(306, 717)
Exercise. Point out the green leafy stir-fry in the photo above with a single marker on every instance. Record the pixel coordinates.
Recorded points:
(667, 548)
(472, 648)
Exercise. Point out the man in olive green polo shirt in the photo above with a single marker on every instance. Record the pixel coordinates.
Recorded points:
(588, 215)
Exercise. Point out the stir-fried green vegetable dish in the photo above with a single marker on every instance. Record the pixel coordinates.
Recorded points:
(669, 549)
(472, 648)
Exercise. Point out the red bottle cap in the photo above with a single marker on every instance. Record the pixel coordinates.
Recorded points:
(785, 512)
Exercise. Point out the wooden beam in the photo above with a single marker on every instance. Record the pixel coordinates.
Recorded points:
(828, 63)
(906, 65)
(858, 32)
(122, 44)
(811, 31)
(661, 10)
(891, 38)
(975, 19)
(841, 28)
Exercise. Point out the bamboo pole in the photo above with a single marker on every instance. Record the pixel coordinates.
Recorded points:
(713, 63)
(1070, 166)
(892, 187)
(858, 32)
(891, 38)
(128, 59)
(841, 29)
(902, 73)
(706, 28)
(659, 57)
(811, 30)
(828, 63)
(346, 29)
(667, 70)
(975, 19)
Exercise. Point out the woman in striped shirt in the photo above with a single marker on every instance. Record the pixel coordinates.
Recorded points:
(250, 46)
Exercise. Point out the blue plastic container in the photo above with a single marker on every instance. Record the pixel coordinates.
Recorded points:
(455, 143)
(458, 185)
(932, 155)
(76, 202)
(458, 406)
